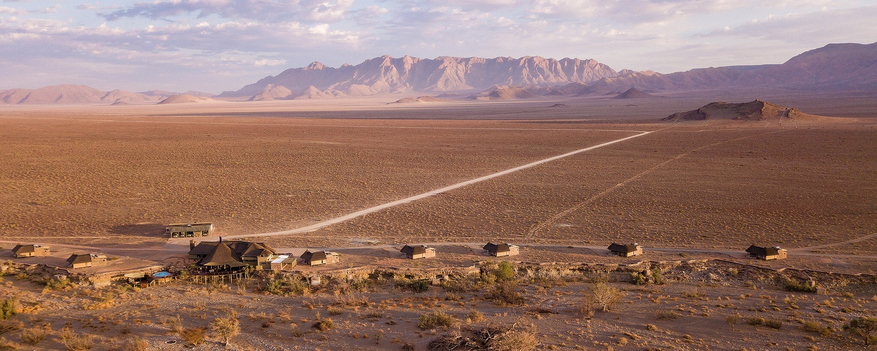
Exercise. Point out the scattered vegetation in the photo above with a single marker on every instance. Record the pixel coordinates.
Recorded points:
(193, 336)
(8, 308)
(225, 328)
(435, 319)
(795, 285)
(864, 328)
(73, 341)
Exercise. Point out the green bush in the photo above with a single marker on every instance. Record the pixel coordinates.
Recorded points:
(504, 271)
(418, 286)
(8, 308)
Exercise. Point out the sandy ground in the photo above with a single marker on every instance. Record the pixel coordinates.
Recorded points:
(106, 179)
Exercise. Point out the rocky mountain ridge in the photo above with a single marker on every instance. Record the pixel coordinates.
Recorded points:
(832, 68)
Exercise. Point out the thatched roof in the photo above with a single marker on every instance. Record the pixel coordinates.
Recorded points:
(222, 256)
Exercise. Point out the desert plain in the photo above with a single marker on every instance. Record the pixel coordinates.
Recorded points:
(108, 179)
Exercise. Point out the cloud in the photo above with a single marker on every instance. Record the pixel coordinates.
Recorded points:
(312, 10)
(852, 24)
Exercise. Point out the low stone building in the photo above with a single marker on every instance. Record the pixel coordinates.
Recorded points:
(500, 250)
(626, 250)
(767, 253)
(283, 263)
(189, 230)
(30, 250)
(319, 258)
(418, 252)
(86, 260)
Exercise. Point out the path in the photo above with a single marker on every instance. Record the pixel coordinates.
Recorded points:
(366, 211)
(603, 193)
(866, 237)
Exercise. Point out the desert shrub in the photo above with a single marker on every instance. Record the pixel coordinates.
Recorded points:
(287, 286)
(56, 283)
(33, 336)
(500, 338)
(7, 345)
(733, 319)
(136, 343)
(795, 285)
(73, 341)
(657, 276)
(772, 323)
(462, 284)
(475, 316)
(863, 327)
(604, 296)
(669, 315)
(225, 328)
(352, 300)
(193, 336)
(8, 308)
(8, 326)
(323, 324)
(506, 293)
(814, 326)
(514, 340)
(418, 286)
(638, 278)
(435, 319)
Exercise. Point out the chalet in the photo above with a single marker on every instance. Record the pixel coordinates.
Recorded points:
(319, 258)
(221, 258)
(626, 250)
(767, 253)
(86, 260)
(21, 251)
(283, 263)
(248, 253)
(500, 250)
(418, 252)
(189, 230)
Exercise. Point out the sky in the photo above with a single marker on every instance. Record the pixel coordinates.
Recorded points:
(218, 45)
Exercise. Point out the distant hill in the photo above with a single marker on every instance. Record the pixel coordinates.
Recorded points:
(75, 94)
(633, 93)
(747, 111)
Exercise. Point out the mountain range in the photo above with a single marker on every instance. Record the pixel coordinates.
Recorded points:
(834, 67)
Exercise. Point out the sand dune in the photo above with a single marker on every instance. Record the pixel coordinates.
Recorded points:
(183, 99)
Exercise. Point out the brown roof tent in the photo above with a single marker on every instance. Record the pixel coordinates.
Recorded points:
(503, 249)
(30, 250)
(418, 251)
(85, 260)
(414, 250)
(623, 249)
(766, 253)
(222, 256)
(309, 256)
